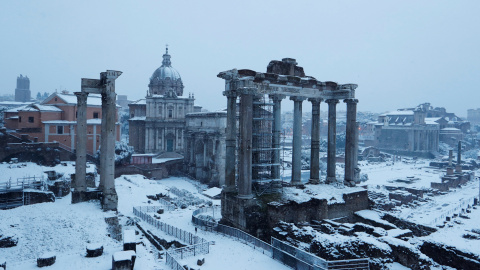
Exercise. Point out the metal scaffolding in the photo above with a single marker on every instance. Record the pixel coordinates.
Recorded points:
(262, 147)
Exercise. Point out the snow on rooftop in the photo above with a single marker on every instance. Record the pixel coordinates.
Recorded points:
(392, 113)
(450, 129)
(96, 121)
(212, 192)
(92, 99)
(140, 102)
(138, 118)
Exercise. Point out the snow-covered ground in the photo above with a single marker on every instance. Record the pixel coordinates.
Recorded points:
(66, 229)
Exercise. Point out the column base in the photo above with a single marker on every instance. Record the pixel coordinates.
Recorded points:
(110, 201)
(314, 181)
(245, 197)
(84, 196)
(230, 189)
(331, 179)
(349, 183)
(296, 183)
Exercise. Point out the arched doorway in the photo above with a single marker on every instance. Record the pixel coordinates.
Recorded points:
(170, 142)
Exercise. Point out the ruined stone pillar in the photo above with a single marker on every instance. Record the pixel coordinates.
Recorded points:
(332, 132)
(450, 168)
(230, 141)
(355, 157)
(458, 168)
(277, 128)
(245, 150)
(107, 168)
(297, 141)
(315, 142)
(81, 149)
(350, 140)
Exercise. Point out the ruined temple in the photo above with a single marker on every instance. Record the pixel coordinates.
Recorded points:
(252, 160)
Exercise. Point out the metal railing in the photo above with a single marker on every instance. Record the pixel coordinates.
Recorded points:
(197, 246)
(189, 251)
(172, 263)
(278, 250)
(230, 231)
(185, 236)
(305, 260)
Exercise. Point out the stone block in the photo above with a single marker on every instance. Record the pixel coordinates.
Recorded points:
(46, 259)
(94, 250)
(129, 242)
(123, 260)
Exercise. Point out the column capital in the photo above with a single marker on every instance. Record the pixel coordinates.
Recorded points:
(297, 99)
(276, 97)
(81, 98)
(247, 91)
(315, 100)
(81, 94)
(351, 101)
(230, 94)
(332, 101)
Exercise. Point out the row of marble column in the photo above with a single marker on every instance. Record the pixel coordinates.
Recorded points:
(244, 185)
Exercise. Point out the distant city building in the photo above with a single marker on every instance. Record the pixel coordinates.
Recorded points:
(22, 92)
(473, 116)
(418, 131)
(122, 101)
(157, 124)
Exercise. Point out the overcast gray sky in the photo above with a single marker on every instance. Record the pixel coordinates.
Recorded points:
(400, 53)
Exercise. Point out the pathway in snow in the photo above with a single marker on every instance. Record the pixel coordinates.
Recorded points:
(227, 252)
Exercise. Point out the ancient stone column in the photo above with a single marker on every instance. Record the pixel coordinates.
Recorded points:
(315, 142)
(297, 141)
(230, 141)
(450, 168)
(245, 150)
(351, 134)
(277, 128)
(107, 168)
(81, 149)
(458, 168)
(332, 132)
(355, 157)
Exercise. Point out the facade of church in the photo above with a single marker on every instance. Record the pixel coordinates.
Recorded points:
(157, 123)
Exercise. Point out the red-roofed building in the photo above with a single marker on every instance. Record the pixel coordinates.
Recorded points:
(55, 119)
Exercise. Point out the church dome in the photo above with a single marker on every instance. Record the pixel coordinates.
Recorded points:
(165, 78)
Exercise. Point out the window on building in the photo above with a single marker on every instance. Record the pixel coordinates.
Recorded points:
(19, 119)
(131, 115)
(59, 129)
(31, 119)
(95, 115)
(170, 113)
